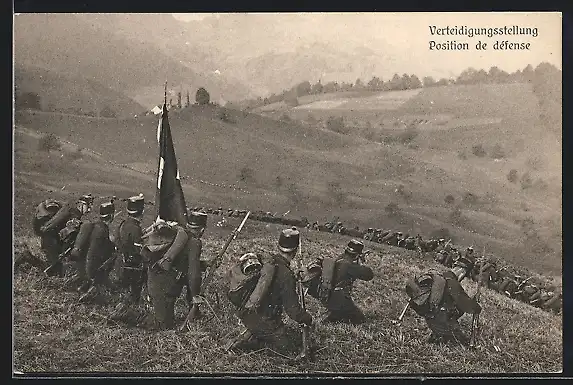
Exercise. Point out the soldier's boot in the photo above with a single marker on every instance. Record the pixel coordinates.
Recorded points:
(245, 341)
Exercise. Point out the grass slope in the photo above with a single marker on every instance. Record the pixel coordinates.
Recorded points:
(52, 332)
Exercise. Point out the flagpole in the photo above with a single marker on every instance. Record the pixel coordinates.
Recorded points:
(165, 94)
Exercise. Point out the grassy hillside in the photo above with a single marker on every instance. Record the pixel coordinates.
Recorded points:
(60, 92)
(282, 166)
(52, 332)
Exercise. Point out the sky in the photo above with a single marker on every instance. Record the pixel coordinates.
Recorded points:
(408, 35)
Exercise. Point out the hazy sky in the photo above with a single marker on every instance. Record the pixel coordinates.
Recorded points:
(408, 35)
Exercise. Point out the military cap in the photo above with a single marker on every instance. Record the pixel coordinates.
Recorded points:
(135, 204)
(354, 247)
(470, 249)
(249, 262)
(313, 269)
(197, 219)
(370, 229)
(88, 199)
(50, 203)
(288, 240)
(106, 209)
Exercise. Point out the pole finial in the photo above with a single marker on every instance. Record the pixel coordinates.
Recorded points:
(165, 94)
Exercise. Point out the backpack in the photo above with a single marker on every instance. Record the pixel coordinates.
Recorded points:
(426, 293)
(43, 214)
(247, 291)
(82, 240)
(69, 233)
(326, 279)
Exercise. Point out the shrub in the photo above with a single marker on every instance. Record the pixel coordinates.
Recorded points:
(285, 117)
(449, 199)
(337, 125)
(391, 209)
(470, 198)
(478, 150)
(49, 142)
(497, 152)
(462, 155)
(526, 181)
(246, 174)
(512, 176)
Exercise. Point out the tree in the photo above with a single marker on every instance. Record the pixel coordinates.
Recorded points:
(179, 100)
(358, 84)
(442, 82)
(303, 88)
(202, 97)
(478, 150)
(415, 82)
(375, 84)
(428, 81)
(291, 99)
(395, 83)
(330, 87)
(187, 102)
(317, 88)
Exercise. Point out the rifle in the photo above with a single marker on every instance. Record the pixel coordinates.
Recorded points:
(48, 270)
(475, 317)
(305, 354)
(219, 258)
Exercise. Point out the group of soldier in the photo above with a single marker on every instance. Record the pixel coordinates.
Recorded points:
(164, 258)
(501, 279)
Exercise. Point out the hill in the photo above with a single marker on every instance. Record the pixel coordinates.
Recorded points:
(59, 92)
(64, 43)
(52, 332)
(245, 160)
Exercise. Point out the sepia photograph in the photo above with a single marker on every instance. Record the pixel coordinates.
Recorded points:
(327, 194)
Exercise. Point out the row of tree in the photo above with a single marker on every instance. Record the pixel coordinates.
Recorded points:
(407, 82)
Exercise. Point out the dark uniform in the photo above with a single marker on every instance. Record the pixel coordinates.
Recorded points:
(178, 266)
(263, 320)
(51, 243)
(99, 250)
(441, 300)
(332, 283)
(128, 242)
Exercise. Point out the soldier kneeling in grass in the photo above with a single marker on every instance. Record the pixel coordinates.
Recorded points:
(330, 280)
(441, 300)
(261, 287)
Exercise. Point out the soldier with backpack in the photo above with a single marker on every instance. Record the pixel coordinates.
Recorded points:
(132, 272)
(441, 300)
(330, 280)
(261, 287)
(173, 255)
(94, 242)
(50, 218)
